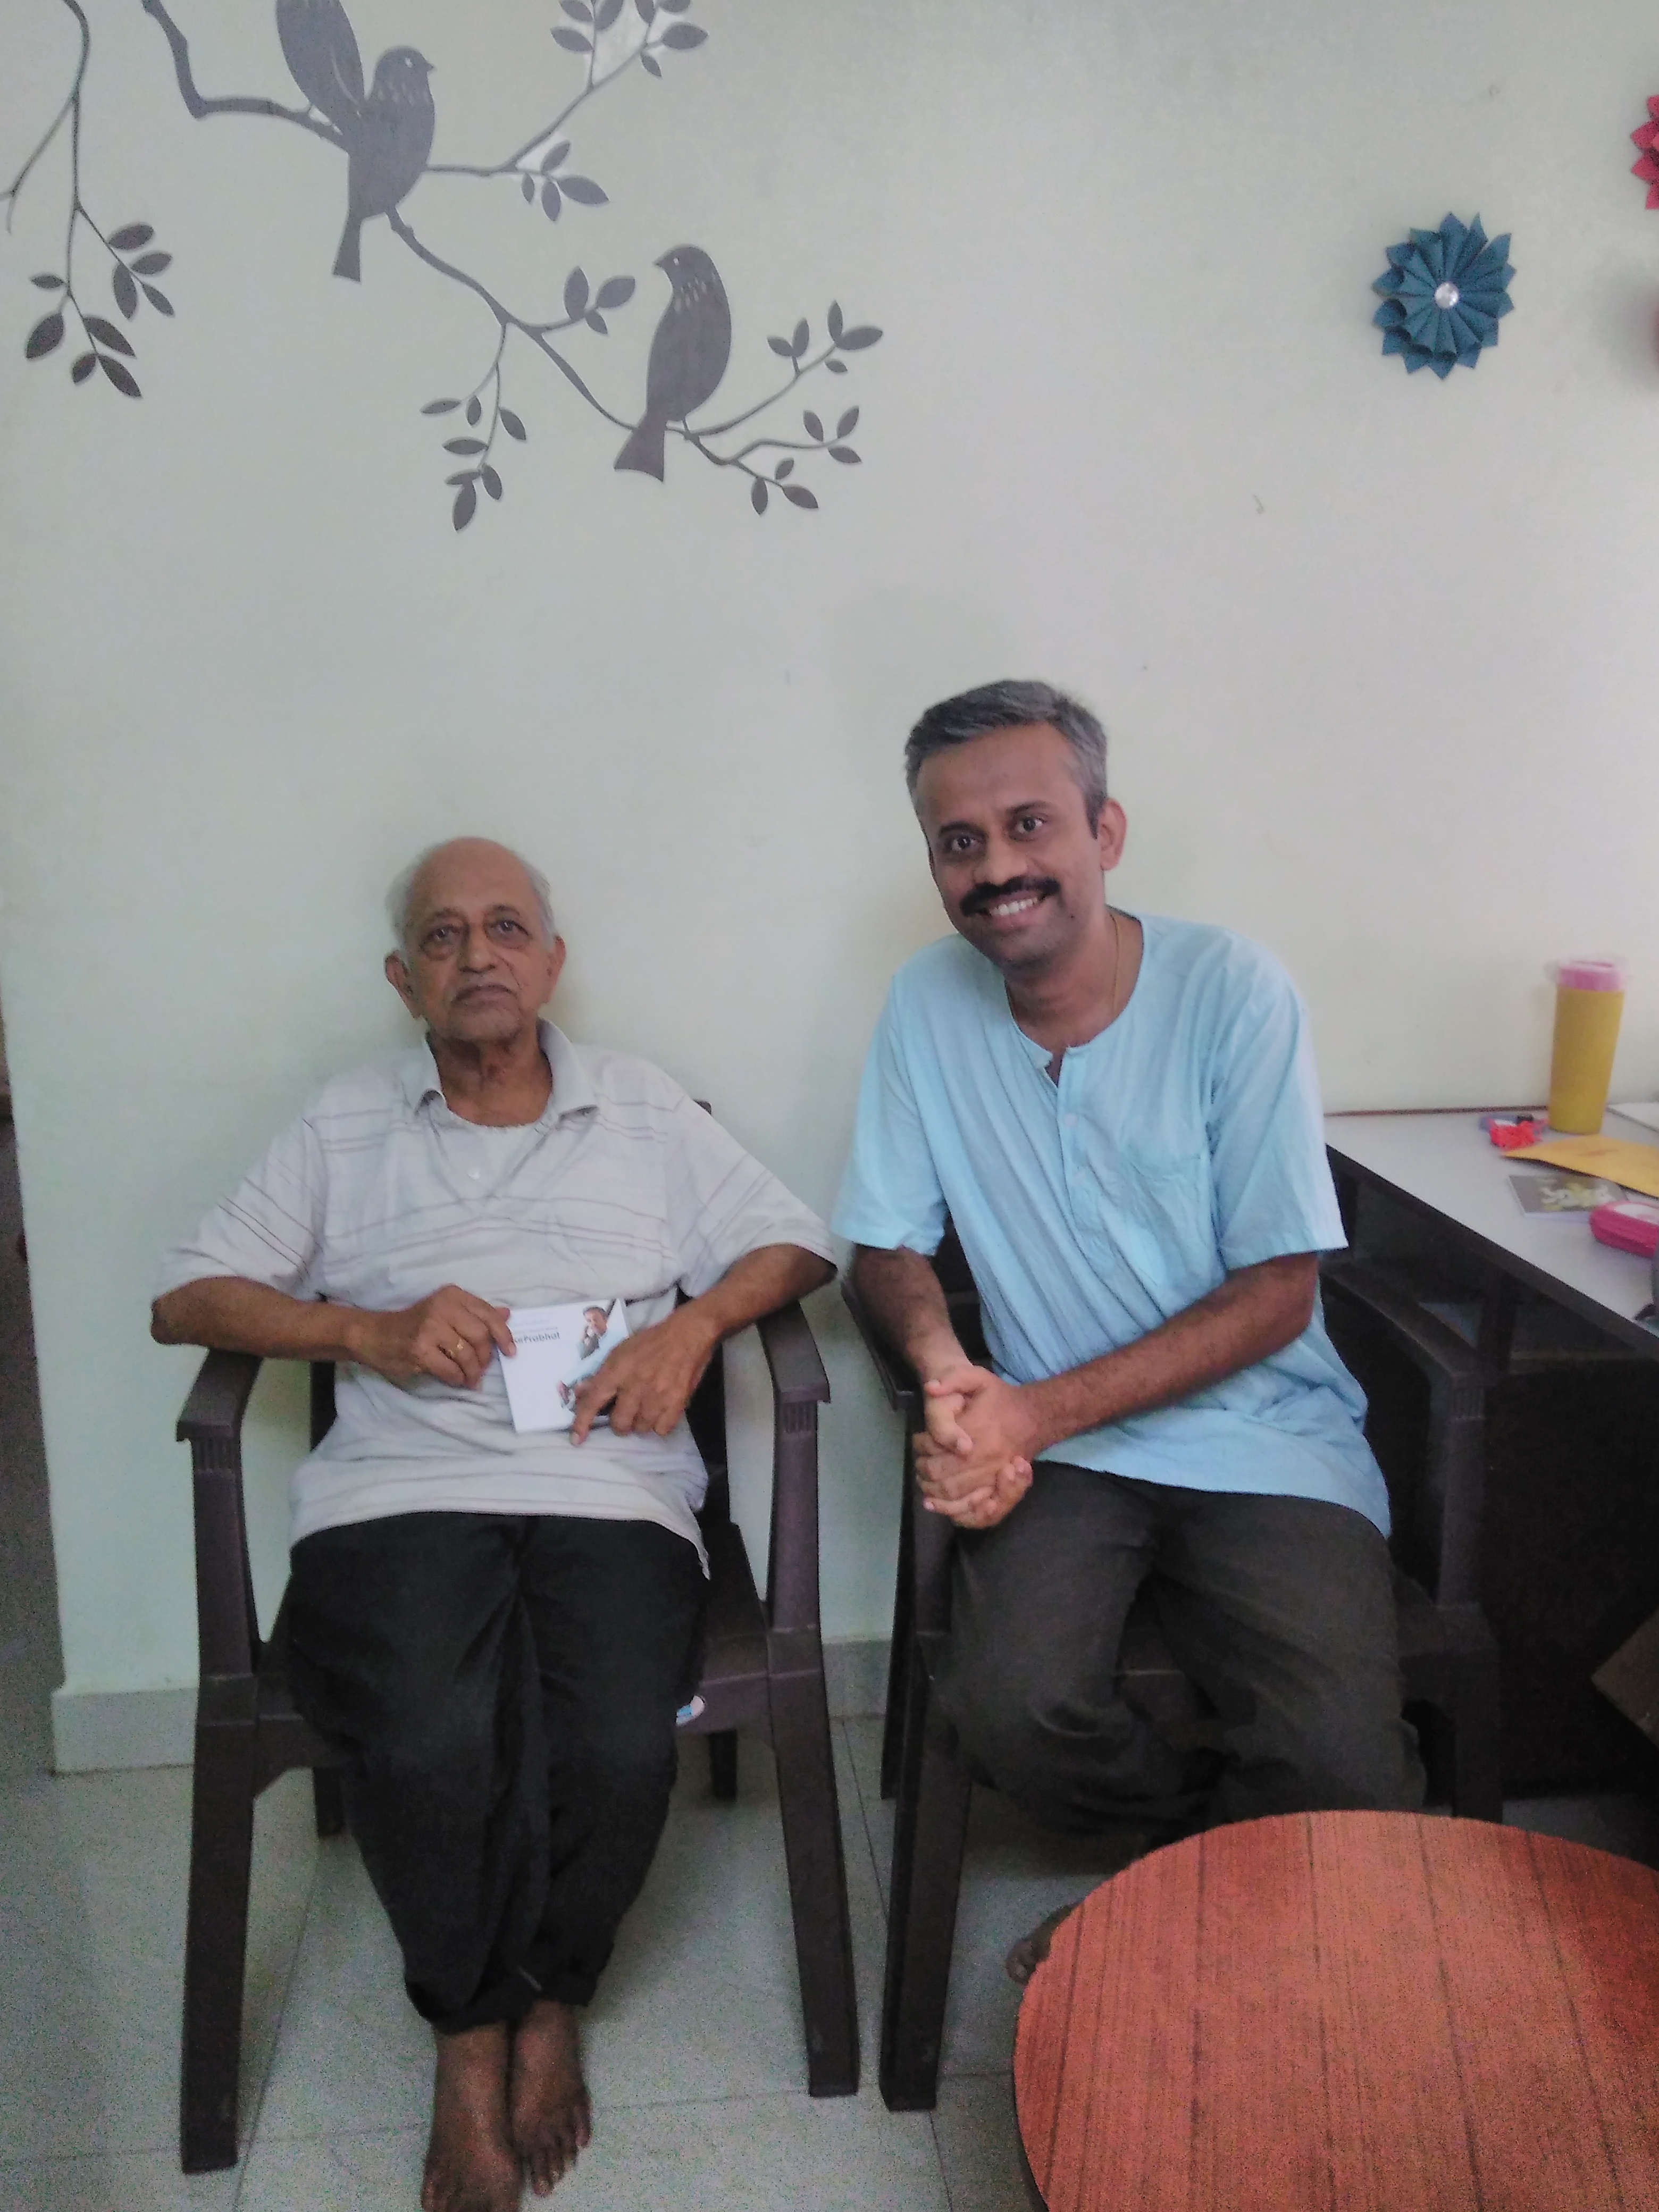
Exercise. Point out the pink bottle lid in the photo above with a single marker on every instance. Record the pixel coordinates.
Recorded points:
(1588, 974)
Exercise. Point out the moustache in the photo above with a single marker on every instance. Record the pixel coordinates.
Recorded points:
(990, 894)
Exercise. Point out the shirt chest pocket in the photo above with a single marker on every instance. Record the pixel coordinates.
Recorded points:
(1155, 1213)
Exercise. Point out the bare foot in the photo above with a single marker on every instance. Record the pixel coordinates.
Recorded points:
(471, 2163)
(1029, 1953)
(551, 2116)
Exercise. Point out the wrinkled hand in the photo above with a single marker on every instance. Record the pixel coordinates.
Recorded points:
(973, 1462)
(450, 1335)
(648, 1381)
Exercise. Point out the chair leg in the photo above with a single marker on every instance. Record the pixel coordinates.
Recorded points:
(818, 1882)
(328, 1797)
(723, 1764)
(928, 1839)
(215, 1944)
(1477, 1776)
(898, 1657)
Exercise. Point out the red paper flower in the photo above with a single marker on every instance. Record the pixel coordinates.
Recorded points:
(1648, 139)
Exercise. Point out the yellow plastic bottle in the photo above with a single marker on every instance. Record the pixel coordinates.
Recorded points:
(1589, 998)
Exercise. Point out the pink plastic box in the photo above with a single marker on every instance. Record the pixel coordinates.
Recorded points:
(1632, 1224)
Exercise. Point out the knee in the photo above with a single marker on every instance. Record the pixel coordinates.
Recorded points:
(431, 1740)
(1350, 1762)
(1014, 1735)
(624, 1759)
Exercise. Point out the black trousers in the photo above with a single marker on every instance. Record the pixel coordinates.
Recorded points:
(505, 1689)
(1279, 1610)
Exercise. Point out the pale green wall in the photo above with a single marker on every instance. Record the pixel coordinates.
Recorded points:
(1380, 655)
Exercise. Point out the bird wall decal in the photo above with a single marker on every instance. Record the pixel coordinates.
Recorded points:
(320, 49)
(688, 355)
(387, 133)
(387, 141)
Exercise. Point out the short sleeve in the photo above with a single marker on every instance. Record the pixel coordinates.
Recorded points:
(723, 1205)
(890, 1195)
(269, 1230)
(1273, 1194)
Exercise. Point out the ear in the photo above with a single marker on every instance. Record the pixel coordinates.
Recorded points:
(397, 975)
(555, 955)
(1113, 834)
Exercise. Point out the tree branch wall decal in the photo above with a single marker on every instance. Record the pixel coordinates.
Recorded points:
(384, 124)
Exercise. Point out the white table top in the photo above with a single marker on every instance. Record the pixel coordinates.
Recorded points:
(1446, 1164)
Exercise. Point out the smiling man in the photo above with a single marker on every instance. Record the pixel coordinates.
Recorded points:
(1119, 1115)
(498, 1629)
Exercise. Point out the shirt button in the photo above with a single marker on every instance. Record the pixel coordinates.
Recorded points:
(474, 1173)
(1070, 1121)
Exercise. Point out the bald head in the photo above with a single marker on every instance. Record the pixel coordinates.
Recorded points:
(476, 955)
(401, 899)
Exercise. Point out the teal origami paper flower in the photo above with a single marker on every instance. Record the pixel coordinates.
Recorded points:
(1446, 290)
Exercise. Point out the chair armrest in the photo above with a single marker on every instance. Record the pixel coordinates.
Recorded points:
(894, 1374)
(1433, 1345)
(211, 1424)
(218, 1398)
(1438, 1520)
(792, 1354)
(800, 1386)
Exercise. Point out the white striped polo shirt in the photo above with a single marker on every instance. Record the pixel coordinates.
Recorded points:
(377, 1195)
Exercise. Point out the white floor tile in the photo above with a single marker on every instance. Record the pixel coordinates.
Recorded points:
(149, 2181)
(702, 1999)
(786, 2154)
(92, 1899)
(864, 1737)
(352, 2054)
(978, 2139)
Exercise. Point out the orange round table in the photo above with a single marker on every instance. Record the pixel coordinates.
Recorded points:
(1349, 2012)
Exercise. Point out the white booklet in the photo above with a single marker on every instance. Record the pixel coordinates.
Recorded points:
(559, 1346)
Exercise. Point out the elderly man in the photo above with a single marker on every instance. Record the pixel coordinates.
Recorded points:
(499, 1628)
(1120, 1115)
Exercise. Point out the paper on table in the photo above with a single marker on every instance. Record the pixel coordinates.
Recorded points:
(559, 1346)
(1644, 1110)
(1614, 1159)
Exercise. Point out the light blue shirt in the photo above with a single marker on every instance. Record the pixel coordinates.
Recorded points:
(1180, 1144)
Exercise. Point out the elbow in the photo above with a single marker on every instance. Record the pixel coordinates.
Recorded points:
(1302, 1296)
(164, 1323)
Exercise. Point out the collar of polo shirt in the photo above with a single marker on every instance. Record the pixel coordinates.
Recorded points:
(573, 1090)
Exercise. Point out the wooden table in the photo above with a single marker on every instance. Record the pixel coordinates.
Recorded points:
(1356, 2012)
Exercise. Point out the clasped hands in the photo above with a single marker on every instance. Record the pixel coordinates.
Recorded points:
(646, 1383)
(973, 1458)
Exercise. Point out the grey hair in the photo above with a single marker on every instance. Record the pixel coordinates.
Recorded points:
(400, 898)
(1012, 705)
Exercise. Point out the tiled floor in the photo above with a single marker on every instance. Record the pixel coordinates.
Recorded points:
(694, 2047)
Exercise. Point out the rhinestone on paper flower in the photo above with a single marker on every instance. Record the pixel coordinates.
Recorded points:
(1648, 139)
(1446, 290)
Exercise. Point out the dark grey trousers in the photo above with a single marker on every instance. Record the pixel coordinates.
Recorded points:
(505, 1687)
(1279, 1610)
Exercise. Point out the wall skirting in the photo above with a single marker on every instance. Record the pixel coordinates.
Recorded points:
(95, 1729)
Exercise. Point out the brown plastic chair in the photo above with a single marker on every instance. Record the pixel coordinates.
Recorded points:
(764, 1669)
(1447, 1658)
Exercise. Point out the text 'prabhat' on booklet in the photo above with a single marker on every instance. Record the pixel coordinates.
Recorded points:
(559, 1347)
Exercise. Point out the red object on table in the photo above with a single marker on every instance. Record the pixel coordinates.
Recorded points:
(1510, 1136)
(1646, 136)
(1629, 1224)
(1347, 2010)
